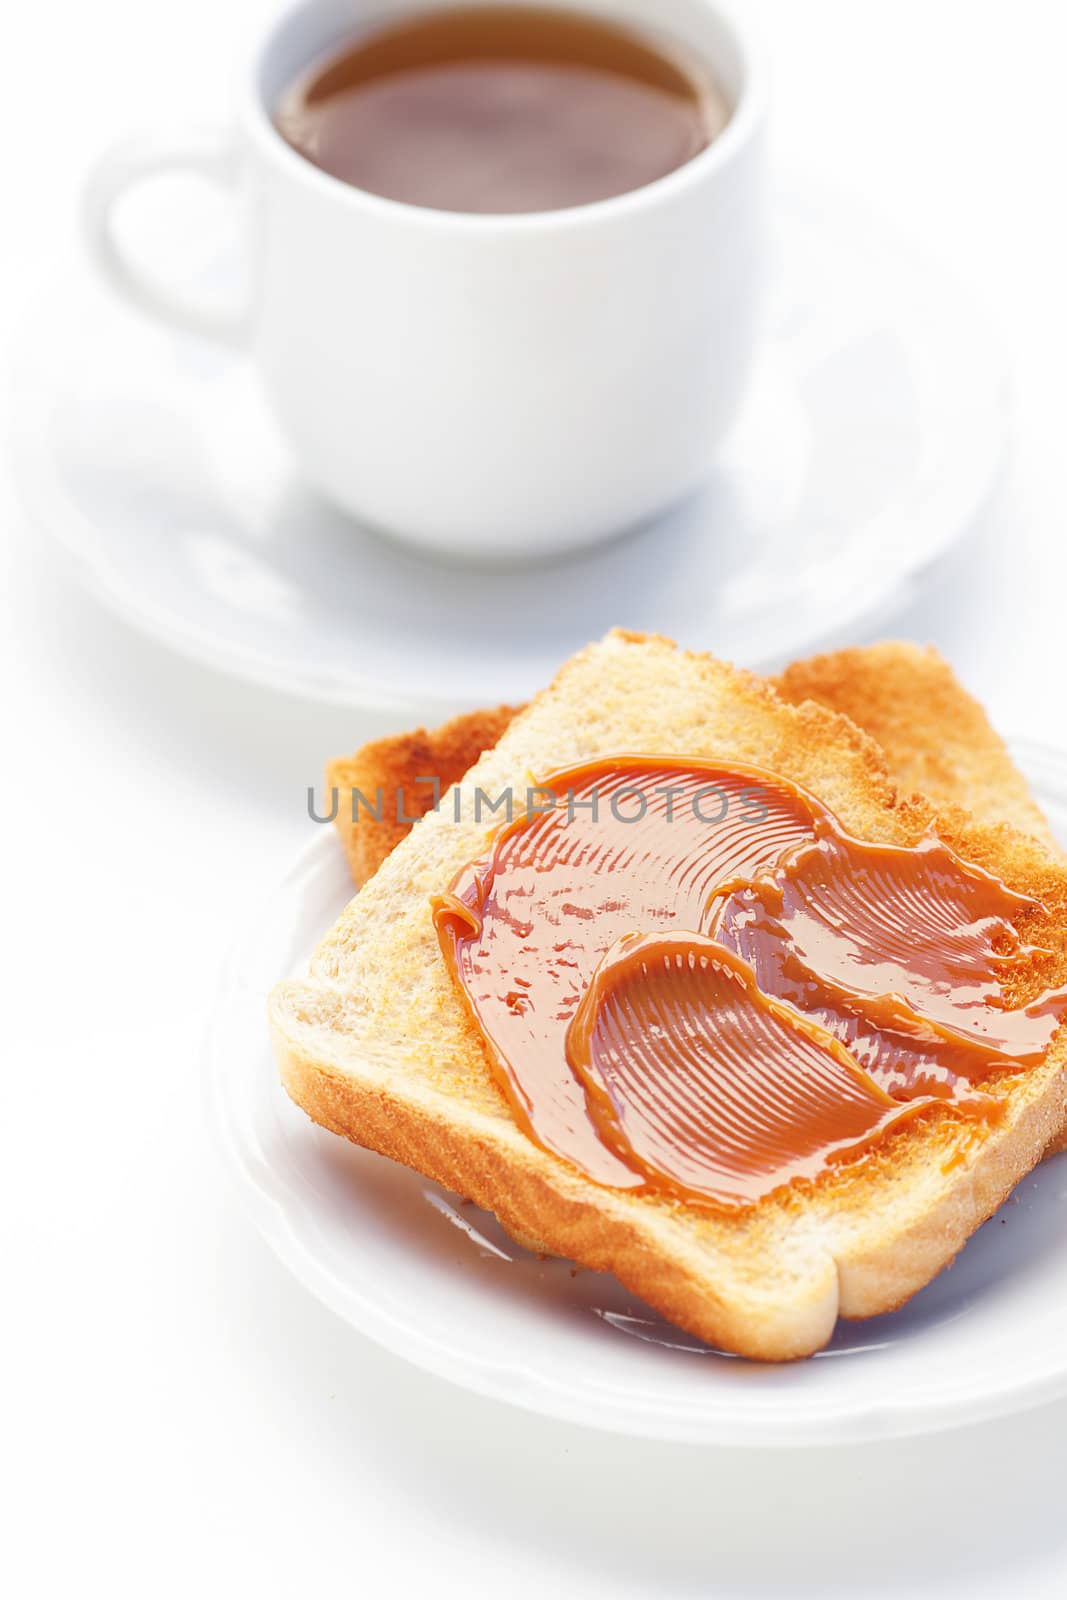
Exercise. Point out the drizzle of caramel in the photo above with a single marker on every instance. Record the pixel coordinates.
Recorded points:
(900, 953)
(706, 1084)
(690, 979)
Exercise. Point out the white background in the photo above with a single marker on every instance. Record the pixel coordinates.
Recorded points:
(180, 1416)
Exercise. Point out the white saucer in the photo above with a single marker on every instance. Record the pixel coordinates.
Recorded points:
(438, 1282)
(870, 440)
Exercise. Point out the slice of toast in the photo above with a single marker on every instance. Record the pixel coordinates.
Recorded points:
(377, 1045)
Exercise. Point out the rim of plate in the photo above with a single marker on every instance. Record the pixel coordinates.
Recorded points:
(933, 528)
(726, 1417)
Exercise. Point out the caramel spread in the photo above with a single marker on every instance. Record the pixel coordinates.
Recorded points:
(691, 980)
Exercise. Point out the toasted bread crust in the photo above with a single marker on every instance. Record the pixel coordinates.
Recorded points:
(390, 768)
(542, 1206)
(376, 1044)
(539, 1204)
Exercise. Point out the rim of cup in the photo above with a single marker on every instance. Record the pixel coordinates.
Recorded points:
(746, 118)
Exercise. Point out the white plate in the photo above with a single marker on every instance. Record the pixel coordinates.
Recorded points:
(870, 440)
(437, 1281)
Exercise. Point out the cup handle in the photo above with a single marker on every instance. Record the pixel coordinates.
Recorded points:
(138, 159)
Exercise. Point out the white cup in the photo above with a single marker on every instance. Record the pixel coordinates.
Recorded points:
(495, 386)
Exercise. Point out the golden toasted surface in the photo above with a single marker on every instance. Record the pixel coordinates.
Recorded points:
(936, 738)
(376, 1043)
